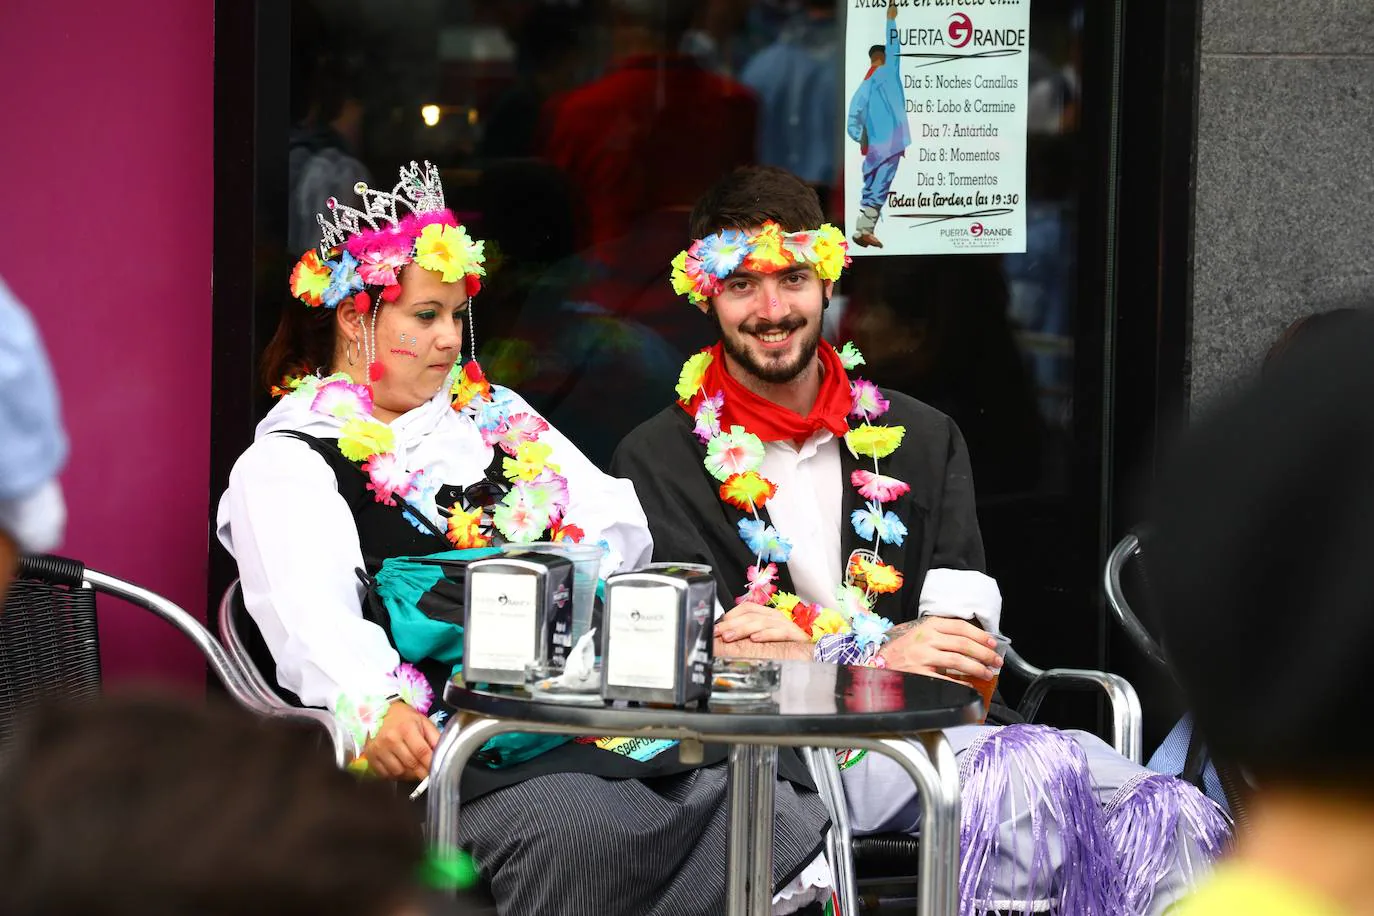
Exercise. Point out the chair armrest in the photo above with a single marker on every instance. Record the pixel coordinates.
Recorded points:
(230, 674)
(1127, 718)
(238, 652)
(1126, 548)
(272, 704)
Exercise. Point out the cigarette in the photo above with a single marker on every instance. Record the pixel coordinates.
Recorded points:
(420, 789)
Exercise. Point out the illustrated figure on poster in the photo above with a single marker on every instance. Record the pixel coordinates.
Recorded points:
(877, 122)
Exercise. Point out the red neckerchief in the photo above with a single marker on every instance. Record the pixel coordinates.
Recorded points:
(769, 421)
(871, 68)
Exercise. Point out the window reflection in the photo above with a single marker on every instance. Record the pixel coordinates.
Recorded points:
(575, 135)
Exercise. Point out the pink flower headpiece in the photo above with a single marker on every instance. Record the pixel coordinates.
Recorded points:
(369, 247)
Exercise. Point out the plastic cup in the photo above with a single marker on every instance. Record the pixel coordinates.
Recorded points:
(586, 560)
(985, 686)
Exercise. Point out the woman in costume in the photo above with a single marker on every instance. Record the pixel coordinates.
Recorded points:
(384, 445)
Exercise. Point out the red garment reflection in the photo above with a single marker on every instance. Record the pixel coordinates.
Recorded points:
(873, 690)
(652, 134)
(629, 279)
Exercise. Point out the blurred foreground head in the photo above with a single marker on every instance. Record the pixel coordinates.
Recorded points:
(1262, 561)
(162, 808)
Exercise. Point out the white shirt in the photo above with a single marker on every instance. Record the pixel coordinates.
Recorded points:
(296, 543)
(808, 510)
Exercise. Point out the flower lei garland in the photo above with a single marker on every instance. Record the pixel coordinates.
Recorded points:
(538, 496)
(698, 272)
(534, 505)
(733, 457)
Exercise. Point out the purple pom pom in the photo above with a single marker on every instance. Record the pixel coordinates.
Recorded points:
(1043, 772)
(1147, 819)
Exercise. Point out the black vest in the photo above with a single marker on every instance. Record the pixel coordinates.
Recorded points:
(383, 532)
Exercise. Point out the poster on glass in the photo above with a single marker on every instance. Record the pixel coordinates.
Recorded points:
(935, 154)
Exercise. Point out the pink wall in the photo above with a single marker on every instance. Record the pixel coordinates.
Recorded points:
(106, 237)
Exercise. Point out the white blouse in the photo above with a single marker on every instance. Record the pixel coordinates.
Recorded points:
(296, 543)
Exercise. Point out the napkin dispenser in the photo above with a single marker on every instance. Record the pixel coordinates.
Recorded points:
(656, 638)
(517, 611)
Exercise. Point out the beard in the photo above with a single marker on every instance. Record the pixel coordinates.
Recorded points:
(775, 370)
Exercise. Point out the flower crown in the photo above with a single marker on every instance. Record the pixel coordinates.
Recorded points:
(368, 247)
(698, 271)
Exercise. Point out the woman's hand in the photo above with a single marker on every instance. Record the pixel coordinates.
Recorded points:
(936, 645)
(757, 623)
(403, 746)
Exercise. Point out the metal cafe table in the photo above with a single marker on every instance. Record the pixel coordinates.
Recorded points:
(815, 705)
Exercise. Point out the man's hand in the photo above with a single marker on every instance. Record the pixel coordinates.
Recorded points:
(403, 747)
(891, 9)
(759, 624)
(935, 645)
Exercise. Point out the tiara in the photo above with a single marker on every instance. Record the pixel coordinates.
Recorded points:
(369, 247)
(419, 191)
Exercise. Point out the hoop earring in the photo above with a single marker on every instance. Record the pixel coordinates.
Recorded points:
(352, 352)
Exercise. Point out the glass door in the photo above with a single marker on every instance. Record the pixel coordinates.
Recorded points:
(575, 135)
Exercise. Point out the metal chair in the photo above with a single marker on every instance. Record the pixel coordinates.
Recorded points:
(1127, 728)
(49, 645)
(243, 643)
(1127, 549)
(49, 648)
(885, 859)
(1234, 783)
(244, 646)
(49, 641)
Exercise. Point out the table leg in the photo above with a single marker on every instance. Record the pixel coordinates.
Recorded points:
(753, 774)
(938, 749)
(846, 881)
(741, 776)
(821, 763)
(765, 784)
(445, 770)
(932, 767)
